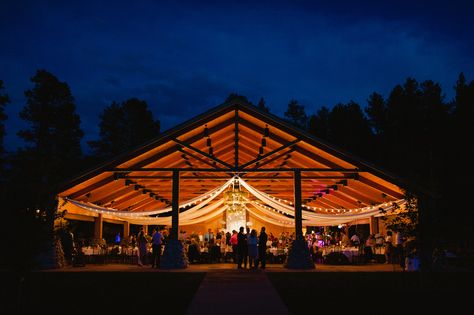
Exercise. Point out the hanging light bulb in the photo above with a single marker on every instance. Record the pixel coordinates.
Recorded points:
(266, 131)
(206, 131)
(264, 142)
(260, 150)
(211, 151)
(208, 142)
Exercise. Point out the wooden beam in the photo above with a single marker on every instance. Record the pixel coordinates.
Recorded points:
(198, 158)
(289, 144)
(224, 170)
(380, 187)
(236, 140)
(184, 144)
(91, 187)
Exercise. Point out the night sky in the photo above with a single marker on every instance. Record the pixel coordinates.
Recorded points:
(184, 58)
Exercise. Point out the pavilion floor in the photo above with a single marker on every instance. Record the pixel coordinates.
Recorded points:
(206, 288)
(230, 266)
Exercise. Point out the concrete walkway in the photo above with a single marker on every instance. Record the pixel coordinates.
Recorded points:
(236, 291)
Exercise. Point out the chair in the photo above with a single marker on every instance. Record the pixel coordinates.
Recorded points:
(215, 254)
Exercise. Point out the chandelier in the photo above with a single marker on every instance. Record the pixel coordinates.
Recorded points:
(235, 198)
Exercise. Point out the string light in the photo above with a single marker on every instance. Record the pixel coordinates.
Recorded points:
(200, 207)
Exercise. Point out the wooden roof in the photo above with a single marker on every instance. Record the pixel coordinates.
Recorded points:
(227, 140)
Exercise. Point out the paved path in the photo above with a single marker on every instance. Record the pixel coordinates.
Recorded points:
(236, 292)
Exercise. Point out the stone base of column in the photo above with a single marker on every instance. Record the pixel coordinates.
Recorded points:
(299, 256)
(174, 256)
(51, 256)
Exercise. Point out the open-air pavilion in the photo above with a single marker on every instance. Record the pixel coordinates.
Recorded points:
(233, 166)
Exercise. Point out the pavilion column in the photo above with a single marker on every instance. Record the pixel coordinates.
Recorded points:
(174, 256)
(98, 226)
(297, 203)
(126, 229)
(374, 225)
(299, 256)
(175, 206)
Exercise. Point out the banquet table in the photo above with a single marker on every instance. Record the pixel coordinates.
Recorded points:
(350, 252)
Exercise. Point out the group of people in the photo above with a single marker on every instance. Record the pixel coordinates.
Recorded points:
(157, 240)
(249, 248)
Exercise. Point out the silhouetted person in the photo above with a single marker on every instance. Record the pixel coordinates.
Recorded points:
(241, 248)
(252, 242)
(68, 245)
(262, 248)
(142, 247)
(156, 240)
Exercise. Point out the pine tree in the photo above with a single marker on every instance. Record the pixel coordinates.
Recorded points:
(123, 127)
(261, 105)
(296, 115)
(4, 100)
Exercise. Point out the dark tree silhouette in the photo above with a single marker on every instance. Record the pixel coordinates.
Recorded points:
(4, 100)
(238, 97)
(350, 129)
(459, 154)
(261, 105)
(416, 125)
(54, 135)
(296, 115)
(377, 113)
(124, 127)
(50, 110)
(344, 126)
(463, 107)
(52, 154)
(319, 123)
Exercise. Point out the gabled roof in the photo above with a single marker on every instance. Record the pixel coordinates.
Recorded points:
(234, 138)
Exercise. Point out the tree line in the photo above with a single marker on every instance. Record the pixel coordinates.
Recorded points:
(414, 133)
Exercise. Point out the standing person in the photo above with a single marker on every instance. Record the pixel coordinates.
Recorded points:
(156, 240)
(252, 242)
(388, 247)
(241, 248)
(142, 250)
(262, 248)
(227, 237)
(369, 248)
(67, 242)
(399, 242)
(209, 236)
(234, 242)
(246, 255)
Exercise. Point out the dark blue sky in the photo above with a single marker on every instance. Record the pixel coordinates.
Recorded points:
(184, 58)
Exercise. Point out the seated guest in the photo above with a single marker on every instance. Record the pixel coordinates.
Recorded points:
(193, 251)
(355, 241)
(369, 247)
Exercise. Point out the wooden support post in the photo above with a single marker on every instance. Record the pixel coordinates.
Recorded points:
(374, 225)
(297, 203)
(126, 230)
(175, 206)
(98, 227)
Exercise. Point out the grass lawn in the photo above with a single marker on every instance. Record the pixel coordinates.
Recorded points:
(104, 292)
(374, 293)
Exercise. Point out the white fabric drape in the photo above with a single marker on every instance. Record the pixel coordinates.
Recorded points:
(206, 210)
